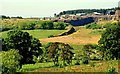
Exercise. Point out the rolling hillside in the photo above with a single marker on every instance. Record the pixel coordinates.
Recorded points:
(82, 36)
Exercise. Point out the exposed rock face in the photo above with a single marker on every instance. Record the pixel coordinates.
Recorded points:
(82, 21)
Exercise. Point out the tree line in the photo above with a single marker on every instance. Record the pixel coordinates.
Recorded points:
(34, 25)
(87, 11)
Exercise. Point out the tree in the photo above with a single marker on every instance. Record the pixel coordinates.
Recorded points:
(60, 25)
(56, 50)
(110, 41)
(10, 61)
(53, 52)
(47, 25)
(26, 44)
(66, 54)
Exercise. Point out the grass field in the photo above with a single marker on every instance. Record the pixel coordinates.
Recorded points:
(93, 66)
(37, 33)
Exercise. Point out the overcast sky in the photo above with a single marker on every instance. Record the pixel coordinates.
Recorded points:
(43, 8)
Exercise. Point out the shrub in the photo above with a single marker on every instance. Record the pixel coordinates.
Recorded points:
(93, 26)
(47, 25)
(50, 36)
(10, 61)
(107, 25)
(60, 25)
(85, 60)
(111, 70)
(92, 64)
(77, 62)
(35, 59)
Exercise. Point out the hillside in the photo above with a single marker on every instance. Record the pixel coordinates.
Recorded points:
(82, 36)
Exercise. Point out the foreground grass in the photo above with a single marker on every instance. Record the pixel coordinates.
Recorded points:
(37, 33)
(93, 66)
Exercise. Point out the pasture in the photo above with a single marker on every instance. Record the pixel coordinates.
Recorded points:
(39, 34)
(93, 66)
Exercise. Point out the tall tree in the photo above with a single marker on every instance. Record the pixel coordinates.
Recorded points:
(56, 50)
(110, 41)
(23, 42)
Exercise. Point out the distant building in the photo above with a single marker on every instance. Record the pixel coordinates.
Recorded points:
(117, 14)
(81, 14)
(96, 13)
(111, 12)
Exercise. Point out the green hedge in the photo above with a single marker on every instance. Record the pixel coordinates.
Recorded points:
(30, 25)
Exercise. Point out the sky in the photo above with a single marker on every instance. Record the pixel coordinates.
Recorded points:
(47, 8)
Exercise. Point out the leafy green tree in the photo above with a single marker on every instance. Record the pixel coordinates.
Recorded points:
(53, 52)
(47, 25)
(110, 41)
(23, 42)
(60, 50)
(60, 25)
(10, 61)
(66, 54)
(93, 25)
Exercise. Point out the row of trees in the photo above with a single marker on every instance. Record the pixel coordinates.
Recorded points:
(87, 11)
(35, 25)
(7, 17)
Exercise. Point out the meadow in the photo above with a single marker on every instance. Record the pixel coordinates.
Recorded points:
(39, 34)
(93, 66)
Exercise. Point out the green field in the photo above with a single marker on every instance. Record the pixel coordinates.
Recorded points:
(37, 33)
(93, 66)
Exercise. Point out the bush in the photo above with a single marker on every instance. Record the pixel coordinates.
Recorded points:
(35, 59)
(10, 61)
(47, 25)
(50, 36)
(85, 60)
(26, 26)
(93, 26)
(111, 70)
(107, 25)
(60, 25)
(77, 62)
(92, 64)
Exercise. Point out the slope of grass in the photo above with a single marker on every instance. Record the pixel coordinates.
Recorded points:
(37, 33)
(82, 36)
